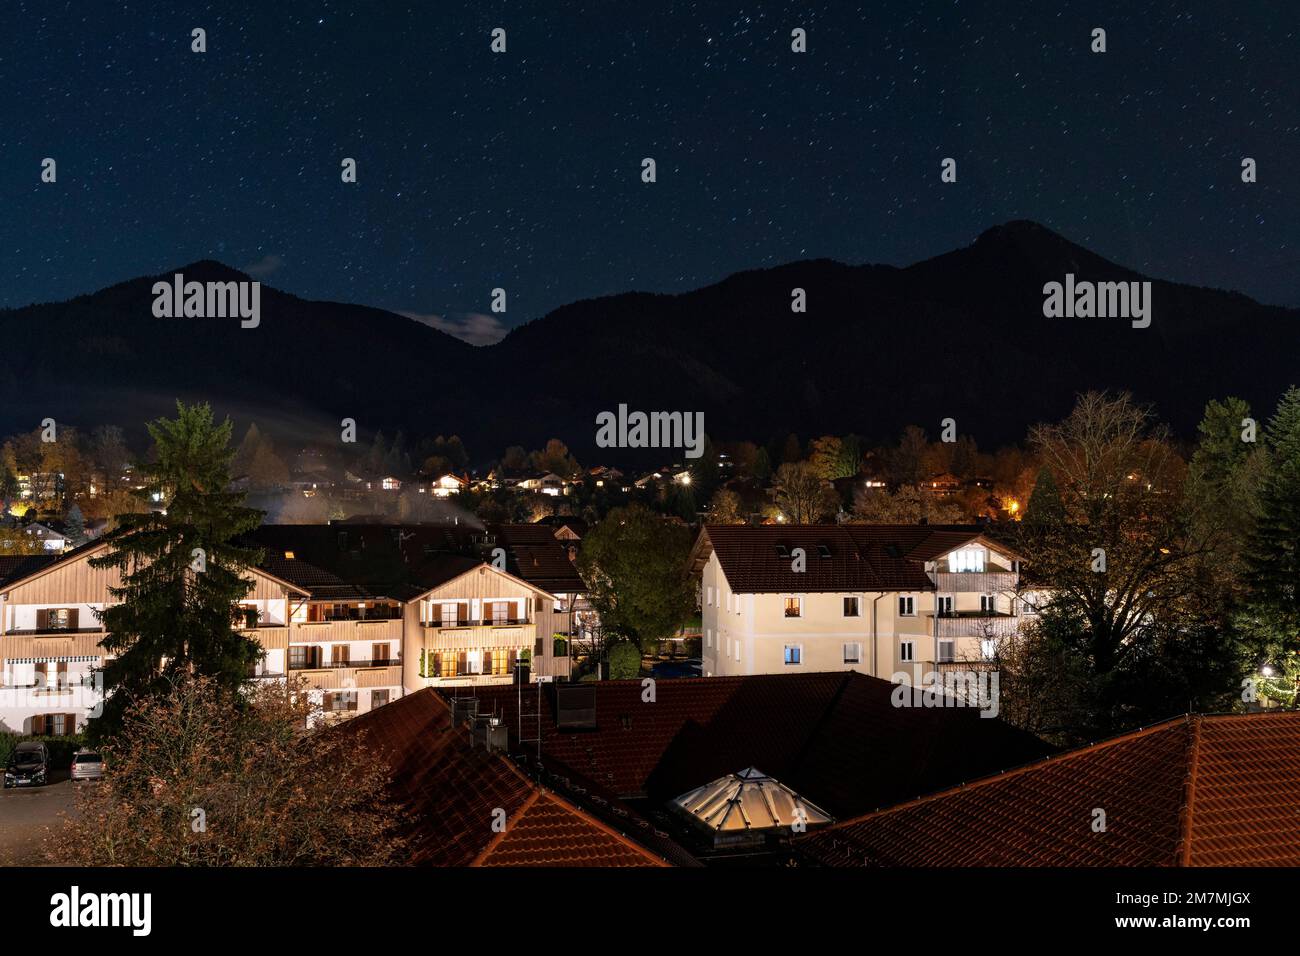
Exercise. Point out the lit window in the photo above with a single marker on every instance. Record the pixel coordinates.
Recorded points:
(966, 560)
(793, 608)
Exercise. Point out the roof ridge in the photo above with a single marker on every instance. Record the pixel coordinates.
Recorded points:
(513, 819)
(1189, 799)
(823, 718)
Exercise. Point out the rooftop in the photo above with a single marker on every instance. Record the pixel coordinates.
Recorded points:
(1193, 791)
(453, 791)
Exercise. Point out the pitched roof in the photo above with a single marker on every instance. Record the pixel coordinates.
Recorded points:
(18, 567)
(1194, 791)
(14, 567)
(835, 738)
(394, 561)
(839, 557)
(453, 790)
(541, 559)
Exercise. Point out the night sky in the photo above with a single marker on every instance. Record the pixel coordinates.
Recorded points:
(522, 170)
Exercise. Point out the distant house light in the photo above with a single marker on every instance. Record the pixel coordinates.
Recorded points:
(288, 555)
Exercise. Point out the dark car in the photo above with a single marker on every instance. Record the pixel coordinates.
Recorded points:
(691, 667)
(29, 765)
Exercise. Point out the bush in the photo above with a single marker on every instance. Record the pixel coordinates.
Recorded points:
(624, 661)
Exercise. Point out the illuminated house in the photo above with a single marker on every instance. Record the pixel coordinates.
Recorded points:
(880, 599)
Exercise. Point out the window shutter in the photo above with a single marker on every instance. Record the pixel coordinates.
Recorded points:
(487, 662)
(437, 666)
(43, 619)
(462, 663)
(73, 615)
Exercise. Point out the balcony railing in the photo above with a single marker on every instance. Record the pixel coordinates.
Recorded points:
(331, 665)
(486, 622)
(53, 631)
(976, 624)
(981, 582)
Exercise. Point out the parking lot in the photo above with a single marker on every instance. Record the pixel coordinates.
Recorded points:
(26, 812)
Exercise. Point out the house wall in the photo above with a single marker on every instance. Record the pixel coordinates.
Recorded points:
(477, 587)
(749, 633)
(75, 584)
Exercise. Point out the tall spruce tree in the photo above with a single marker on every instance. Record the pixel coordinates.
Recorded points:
(181, 571)
(1045, 506)
(74, 523)
(1272, 613)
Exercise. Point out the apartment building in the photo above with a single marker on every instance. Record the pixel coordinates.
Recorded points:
(462, 606)
(880, 599)
(50, 636)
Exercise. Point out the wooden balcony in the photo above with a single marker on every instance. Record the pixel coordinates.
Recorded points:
(471, 637)
(272, 638)
(985, 582)
(347, 678)
(46, 644)
(378, 629)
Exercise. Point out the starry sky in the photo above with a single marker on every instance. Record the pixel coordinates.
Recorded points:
(522, 170)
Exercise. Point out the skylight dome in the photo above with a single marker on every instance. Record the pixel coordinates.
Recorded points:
(747, 807)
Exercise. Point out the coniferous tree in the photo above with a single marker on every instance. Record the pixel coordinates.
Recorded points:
(75, 525)
(181, 571)
(1045, 506)
(1272, 559)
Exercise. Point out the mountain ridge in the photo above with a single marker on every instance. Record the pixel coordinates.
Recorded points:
(959, 335)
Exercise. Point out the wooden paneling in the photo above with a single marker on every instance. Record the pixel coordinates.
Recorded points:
(71, 645)
(76, 582)
(481, 583)
(346, 678)
(73, 582)
(988, 582)
(380, 630)
(271, 638)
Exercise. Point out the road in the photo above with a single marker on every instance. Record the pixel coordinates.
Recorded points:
(24, 815)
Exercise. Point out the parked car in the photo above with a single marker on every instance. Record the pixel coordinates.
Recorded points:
(87, 765)
(690, 667)
(29, 765)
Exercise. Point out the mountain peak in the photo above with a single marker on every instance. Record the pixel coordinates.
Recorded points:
(1019, 229)
(208, 270)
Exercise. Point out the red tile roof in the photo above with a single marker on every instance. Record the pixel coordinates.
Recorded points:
(452, 791)
(835, 738)
(1194, 791)
(540, 558)
(861, 557)
(550, 831)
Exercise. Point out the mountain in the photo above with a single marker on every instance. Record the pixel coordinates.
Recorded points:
(961, 335)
